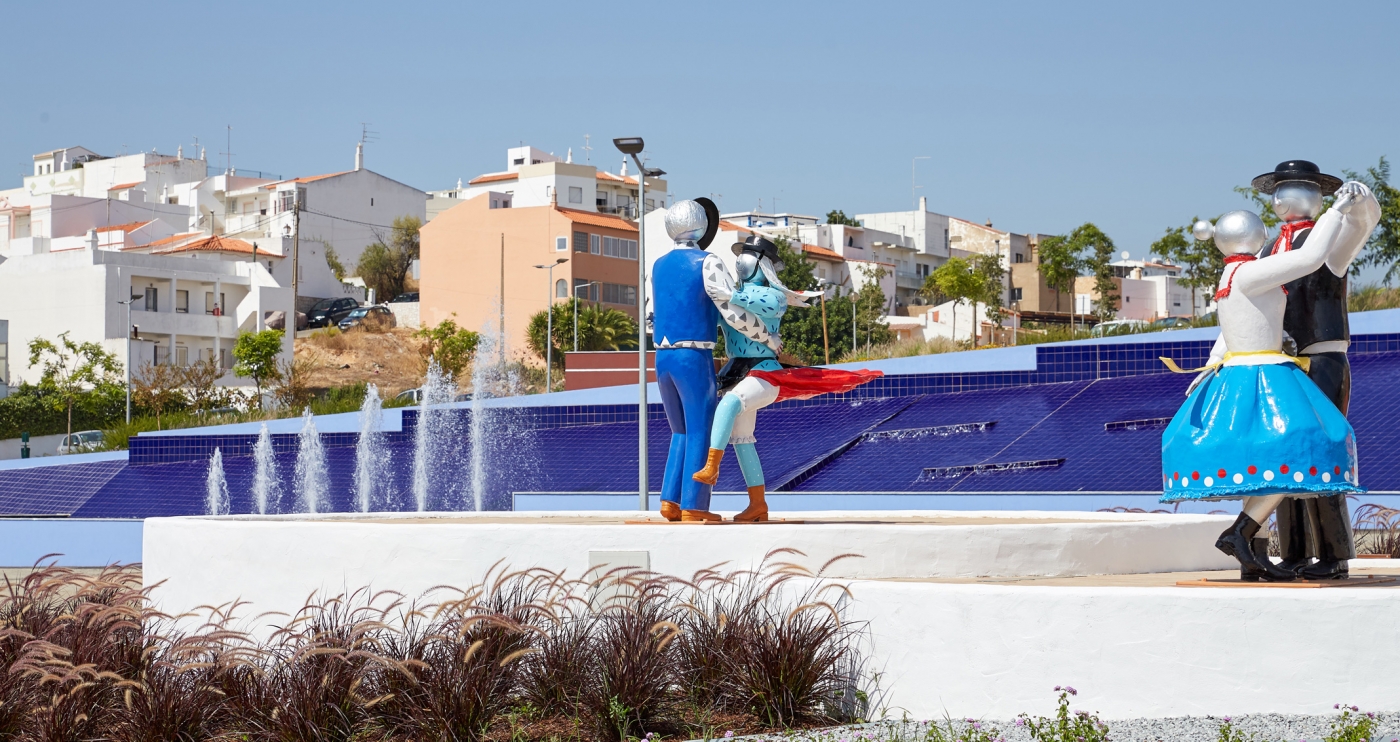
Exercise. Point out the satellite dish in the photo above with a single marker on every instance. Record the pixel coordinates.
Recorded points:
(1124, 254)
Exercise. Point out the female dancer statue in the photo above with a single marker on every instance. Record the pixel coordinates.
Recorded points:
(1258, 428)
(754, 377)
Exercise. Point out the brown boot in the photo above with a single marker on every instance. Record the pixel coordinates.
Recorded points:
(691, 516)
(757, 509)
(670, 511)
(710, 474)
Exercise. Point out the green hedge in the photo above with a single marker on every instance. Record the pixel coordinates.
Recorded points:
(30, 409)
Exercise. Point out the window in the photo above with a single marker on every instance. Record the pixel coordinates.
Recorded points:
(602, 200)
(182, 301)
(850, 241)
(1015, 295)
(594, 241)
(209, 302)
(371, 200)
(561, 244)
(518, 161)
(586, 289)
(285, 201)
(231, 206)
(152, 299)
(561, 289)
(614, 293)
(580, 242)
(182, 355)
(1018, 258)
(575, 194)
(616, 247)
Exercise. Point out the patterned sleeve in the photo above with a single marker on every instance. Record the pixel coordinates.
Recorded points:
(719, 286)
(763, 301)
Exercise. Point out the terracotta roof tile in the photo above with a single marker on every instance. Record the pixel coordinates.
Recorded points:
(129, 227)
(125, 186)
(172, 239)
(492, 178)
(597, 220)
(605, 175)
(823, 253)
(214, 244)
(309, 179)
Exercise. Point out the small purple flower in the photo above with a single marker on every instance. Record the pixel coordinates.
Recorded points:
(1227, 720)
(1057, 689)
(1072, 691)
(730, 735)
(976, 725)
(1336, 705)
(1020, 722)
(1370, 714)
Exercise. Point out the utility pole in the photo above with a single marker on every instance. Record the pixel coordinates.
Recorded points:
(501, 339)
(826, 344)
(296, 254)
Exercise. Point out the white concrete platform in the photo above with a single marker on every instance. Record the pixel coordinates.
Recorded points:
(970, 613)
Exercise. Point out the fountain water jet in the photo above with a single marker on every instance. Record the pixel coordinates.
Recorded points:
(267, 488)
(216, 486)
(369, 449)
(430, 438)
(311, 474)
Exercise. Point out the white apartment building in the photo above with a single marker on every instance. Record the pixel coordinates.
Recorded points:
(79, 291)
(1149, 290)
(534, 177)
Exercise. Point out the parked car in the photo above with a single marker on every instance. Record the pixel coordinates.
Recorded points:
(373, 315)
(1171, 323)
(411, 296)
(327, 312)
(413, 395)
(80, 442)
(1117, 327)
(463, 397)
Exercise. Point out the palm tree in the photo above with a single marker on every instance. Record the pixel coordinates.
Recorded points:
(599, 328)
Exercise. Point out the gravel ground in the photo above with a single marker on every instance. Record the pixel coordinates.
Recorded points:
(1263, 728)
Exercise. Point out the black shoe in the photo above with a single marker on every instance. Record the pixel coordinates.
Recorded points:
(1250, 573)
(1235, 541)
(1326, 570)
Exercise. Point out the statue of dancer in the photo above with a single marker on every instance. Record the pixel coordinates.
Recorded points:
(691, 294)
(753, 376)
(1254, 425)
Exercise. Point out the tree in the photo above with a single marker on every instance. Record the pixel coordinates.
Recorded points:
(158, 388)
(71, 369)
(255, 357)
(1089, 239)
(1060, 264)
(451, 346)
(993, 274)
(385, 265)
(201, 387)
(958, 281)
(837, 216)
(870, 301)
(1200, 262)
(1383, 249)
(599, 328)
(333, 262)
(801, 328)
(291, 388)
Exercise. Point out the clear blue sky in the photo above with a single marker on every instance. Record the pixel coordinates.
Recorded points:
(1039, 116)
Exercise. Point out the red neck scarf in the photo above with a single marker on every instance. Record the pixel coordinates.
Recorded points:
(1224, 292)
(1286, 233)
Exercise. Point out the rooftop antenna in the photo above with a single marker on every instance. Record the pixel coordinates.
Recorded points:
(228, 153)
(366, 135)
(718, 198)
(914, 180)
(587, 150)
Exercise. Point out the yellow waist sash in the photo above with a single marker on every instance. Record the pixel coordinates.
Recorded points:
(1303, 363)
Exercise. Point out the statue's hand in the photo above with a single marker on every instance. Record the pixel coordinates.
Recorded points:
(1350, 194)
(775, 343)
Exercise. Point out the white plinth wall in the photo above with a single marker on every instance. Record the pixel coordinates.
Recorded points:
(983, 650)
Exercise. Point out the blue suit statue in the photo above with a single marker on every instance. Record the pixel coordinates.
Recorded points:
(691, 290)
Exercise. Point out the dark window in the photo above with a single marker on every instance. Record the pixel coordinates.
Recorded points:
(580, 242)
(152, 300)
(1015, 295)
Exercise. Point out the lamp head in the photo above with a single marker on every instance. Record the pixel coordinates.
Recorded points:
(629, 145)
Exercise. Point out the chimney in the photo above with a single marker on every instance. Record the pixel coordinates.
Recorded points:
(359, 155)
(180, 152)
(569, 159)
(989, 222)
(923, 203)
(624, 167)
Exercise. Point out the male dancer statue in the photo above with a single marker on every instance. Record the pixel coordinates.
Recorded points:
(1316, 319)
(691, 290)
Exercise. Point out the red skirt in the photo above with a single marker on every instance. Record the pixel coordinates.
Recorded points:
(806, 382)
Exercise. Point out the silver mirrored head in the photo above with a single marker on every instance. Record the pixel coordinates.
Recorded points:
(1203, 230)
(746, 264)
(1295, 200)
(1240, 233)
(685, 221)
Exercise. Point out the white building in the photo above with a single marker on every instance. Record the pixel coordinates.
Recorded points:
(1149, 291)
(536, 178)
(79, 291)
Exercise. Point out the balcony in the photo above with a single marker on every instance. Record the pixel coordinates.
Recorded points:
(256, 224)
(180, 323)
(908, 280)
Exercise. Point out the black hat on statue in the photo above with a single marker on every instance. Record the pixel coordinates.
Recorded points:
(711, 222)
(1296, 170)
(759, 246)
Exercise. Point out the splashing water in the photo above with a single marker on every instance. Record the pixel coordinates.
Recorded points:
(430, 439)
(492, 435)
(267, 488)
(369, 450)
(311, 474)
(216, 486)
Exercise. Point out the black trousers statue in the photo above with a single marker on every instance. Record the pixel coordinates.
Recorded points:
(1320, 527)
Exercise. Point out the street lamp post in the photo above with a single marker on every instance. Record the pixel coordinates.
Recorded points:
(576, 288)
(549, 331)
(128, 304)
(632, 147)
(823, 284)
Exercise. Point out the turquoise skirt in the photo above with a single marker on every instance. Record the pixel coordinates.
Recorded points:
(1258, 430)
